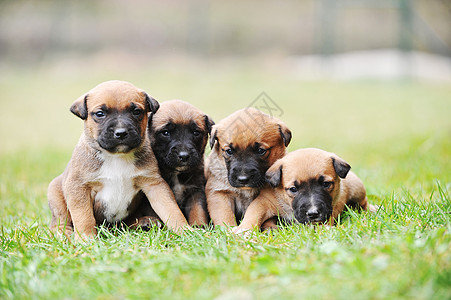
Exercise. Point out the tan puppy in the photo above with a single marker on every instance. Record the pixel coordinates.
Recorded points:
(310, 186)
(179, 133)
(112, 168)
(245, 145)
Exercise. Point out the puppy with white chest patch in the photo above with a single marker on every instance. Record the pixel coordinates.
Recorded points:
(179, 133)
(309, 186)
(113, 169)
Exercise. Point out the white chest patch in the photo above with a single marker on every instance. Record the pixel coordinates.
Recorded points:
(116, 175)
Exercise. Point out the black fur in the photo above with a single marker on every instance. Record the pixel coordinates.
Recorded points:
(246, 167)
(179, 150)
(341, 167)
(274, 177)
(119, 131)
(312, 202)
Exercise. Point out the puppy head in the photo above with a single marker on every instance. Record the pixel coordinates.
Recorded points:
(115, 115)
(309, 180)
(179, 134)
(249, 141)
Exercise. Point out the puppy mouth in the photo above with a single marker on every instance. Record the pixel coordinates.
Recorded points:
(182, 168)
(247, 185)
(119, 147)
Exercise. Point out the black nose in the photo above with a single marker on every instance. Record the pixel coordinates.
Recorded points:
(243, 179)
(313, 213)
(183, 156)
(120, 133)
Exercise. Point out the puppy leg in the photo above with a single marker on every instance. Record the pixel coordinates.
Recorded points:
(61, 219)
(260, 210)
(196, 209)
(163, 203)
(144, 217)
(220, 207)
(367, 206)
(270, 224)
(197, 216)
(336, 211)
(81, 209)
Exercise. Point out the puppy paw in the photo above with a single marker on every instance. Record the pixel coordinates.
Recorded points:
(372, 208)
(146, 223)
(240, 230)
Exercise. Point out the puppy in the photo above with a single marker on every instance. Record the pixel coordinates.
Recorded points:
(112, 169)
(245, 145)
(179, 133)
(310, 186)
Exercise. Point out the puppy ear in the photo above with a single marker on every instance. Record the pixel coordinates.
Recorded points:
(274, 174)
(213, 137)
(285, 133)
(208, 123)
(152, 104)
(341, 167)
(80, 108)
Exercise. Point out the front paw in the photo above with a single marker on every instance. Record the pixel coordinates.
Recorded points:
(146, 223)
(240, 230)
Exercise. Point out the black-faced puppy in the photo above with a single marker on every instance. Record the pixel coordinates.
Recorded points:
(112, 169)
(179, 133)
(245, 145)
(309, 186)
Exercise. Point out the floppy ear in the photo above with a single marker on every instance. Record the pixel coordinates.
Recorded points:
(285, 133)
(152, 104)
(208, 123)
(274, 174)
(341, 167)
(80, 108)
(213, 137)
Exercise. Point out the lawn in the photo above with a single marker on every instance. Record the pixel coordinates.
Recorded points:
(396, 136)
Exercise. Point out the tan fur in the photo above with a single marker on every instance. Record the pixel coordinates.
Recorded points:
(301, 166)
(241, 129)
(71, 195)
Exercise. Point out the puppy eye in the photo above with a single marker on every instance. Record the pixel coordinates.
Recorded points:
(261, 151)
(99, 114)
(196, 133)
(229, 152)
(327, 184)
(137, 112)
(293, 189)
(165, 133)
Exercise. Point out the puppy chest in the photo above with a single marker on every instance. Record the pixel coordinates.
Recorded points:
(117, 188)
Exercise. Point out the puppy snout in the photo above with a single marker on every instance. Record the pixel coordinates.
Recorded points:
(183, 156)
(243, 179)
(120, 133)
(313, 213)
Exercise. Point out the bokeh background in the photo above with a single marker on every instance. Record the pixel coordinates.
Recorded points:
(369, 80)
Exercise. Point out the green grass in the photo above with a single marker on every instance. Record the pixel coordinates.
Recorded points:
(396, 136)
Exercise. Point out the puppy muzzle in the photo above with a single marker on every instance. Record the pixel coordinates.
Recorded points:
(119, 139)
(308, 211)
(245, 178)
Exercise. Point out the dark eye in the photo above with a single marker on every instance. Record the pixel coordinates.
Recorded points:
(196, 133)
(327, 184)
(100, 114)
(229, 152)
(261, 151)
(293, 189)
(137, 112)
(165, 133)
